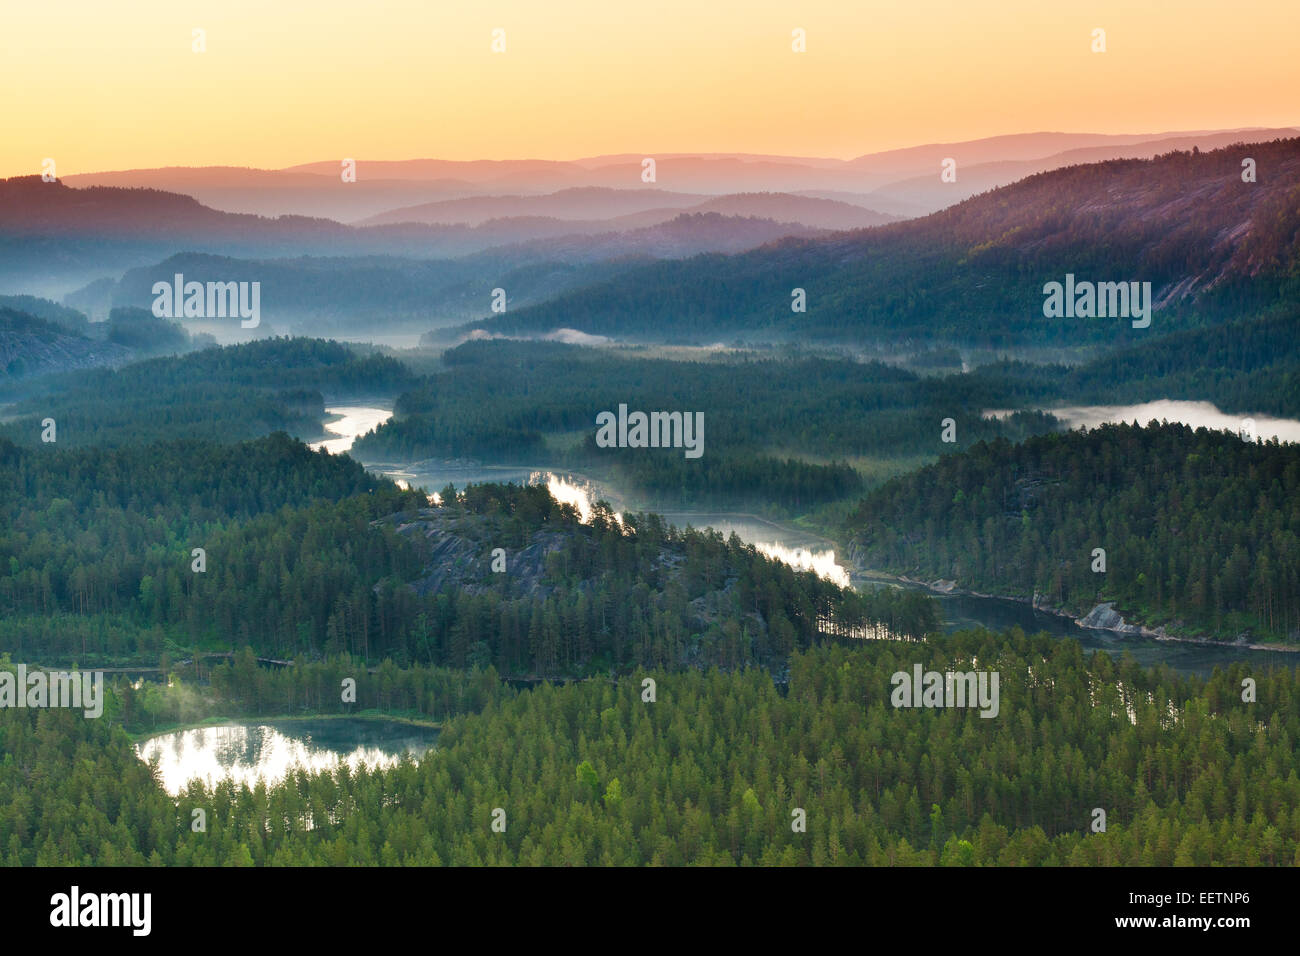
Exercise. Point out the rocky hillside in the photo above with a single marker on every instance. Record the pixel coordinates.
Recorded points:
(610, 590)
(460, 554)
(30, 346)
(460, 557)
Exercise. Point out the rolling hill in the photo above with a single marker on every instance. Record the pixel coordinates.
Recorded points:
(1211, 245)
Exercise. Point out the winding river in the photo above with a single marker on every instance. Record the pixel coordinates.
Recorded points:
(808, 551)
(350, 422)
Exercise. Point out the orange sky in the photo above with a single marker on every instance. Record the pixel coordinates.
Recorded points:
(99, 85)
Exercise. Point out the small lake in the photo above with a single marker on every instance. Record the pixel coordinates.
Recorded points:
(266, 751)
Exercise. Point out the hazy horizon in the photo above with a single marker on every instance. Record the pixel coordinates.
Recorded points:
(636, 155)
(274, 88)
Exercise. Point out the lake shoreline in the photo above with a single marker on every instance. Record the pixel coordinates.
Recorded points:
(138, 738)
(1155, 634)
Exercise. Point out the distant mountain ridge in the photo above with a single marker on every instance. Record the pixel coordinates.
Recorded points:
(53, 236)
(1186, 222)
(936, 277)
(601, 209)
(893, 178)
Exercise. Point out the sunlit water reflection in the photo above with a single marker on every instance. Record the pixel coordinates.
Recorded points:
(809, 552)
(266, 752)
(356, 421)
(802, 556)
(821, 563)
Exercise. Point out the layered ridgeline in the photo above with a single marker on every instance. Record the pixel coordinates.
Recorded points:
(334, 294)
(429, 265)
(788, 431)
(717, 769)
(215, 394)
(1211, 245)
(71, 320)
(476, 191)
(126, 553)
(1201, 530)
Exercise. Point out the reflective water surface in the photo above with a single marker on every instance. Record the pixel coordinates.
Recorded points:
(965, 611)
(356, 421)
(265, 751)
(807, 551)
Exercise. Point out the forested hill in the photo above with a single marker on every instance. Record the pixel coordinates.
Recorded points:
(503, 400)
(307, 554)
(1201, 530)
(571, 598)
(1243, 368)
(61, 315)
(712, 772)
(1211, 245)
(218, 394)
(31, 346)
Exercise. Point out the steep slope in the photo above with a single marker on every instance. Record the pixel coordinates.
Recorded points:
(926, 192)
(30, 346)
(1210, 244)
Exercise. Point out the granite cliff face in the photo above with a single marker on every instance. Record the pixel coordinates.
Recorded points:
(459, 556)
(1105, 617)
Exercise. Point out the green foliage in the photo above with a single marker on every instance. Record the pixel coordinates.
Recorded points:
(710, 773)
(216, 394)
(500, 400)
(587, 778)
(241, 686)
(141, 329)
(1244, 367)
(69, 320)
(1200, 529)
(308, 554)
